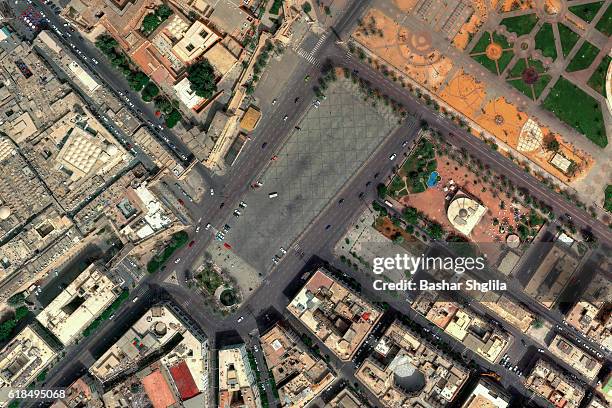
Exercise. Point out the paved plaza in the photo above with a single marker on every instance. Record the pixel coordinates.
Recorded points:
(317, 160)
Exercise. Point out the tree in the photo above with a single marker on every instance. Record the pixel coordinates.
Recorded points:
(106, 43)
(381, 189)
(163, 104)
(17, 299)
(306, 7)
(163, 12)
(411, 215)
(149, 23)
(173, 118)
(202, 78)
(149, 92)
(537, 323)
(137, 80)
(552, 144)
(435, 230)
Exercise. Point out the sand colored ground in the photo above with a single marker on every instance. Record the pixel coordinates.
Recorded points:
(509, 5)
(409, 52)
(433, 204)
(503, 120)
(482, 10)
(464, 93)
(405, 5)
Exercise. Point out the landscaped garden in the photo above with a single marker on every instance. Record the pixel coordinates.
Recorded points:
(568, 38)
(588, 11)
(520, 25)
(608, 202)
(598, 79)
(529, 77)
(578, 109)
(583, 58)
(177, 241)
(415, 172)
(545, 41)
(605, 22)
(493, 51)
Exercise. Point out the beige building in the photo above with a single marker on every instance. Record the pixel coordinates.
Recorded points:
(151, 332)
(193, 41)
(237, 385)
(574, 356)
(85, 298)
(335, 314)
(551, 384)
(345, 399)
(22, 359)
(404, 371)
(464, 213)
(472, 331)
(486, 396)
(302, 375)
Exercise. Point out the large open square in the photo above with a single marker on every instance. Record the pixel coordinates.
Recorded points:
(331, 144)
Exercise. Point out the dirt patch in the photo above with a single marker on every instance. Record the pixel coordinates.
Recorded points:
(405, 5)
(482, 10)
(511, 5)
(494, 51)
(409, 52)
(464, 93)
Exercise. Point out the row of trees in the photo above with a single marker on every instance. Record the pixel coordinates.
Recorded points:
(138, 80)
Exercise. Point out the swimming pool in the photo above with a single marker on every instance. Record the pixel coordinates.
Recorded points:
(433, 179)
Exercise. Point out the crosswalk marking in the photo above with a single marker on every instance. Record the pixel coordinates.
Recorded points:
(310, 56)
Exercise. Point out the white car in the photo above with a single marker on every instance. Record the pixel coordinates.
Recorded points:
(237, 213)
(273, 101)
(241, 318)
(283, 250)
(285, 118)
(207, 227)
(197, 229)
(405, 143)
(135, 299)
(212, 192)
(177, 260)
(242, 204)
(393, 156)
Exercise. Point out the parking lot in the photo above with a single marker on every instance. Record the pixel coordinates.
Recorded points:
(331, 144)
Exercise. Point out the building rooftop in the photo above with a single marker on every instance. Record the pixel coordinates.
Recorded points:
(464, 213)
(188, 96)
(23, 358)
(220, 58)
(345, 399)
(84, 299)
(486, 395)
(334, 314)
(236, 379)
(250, 119)
(471, 330)
(158, 390)
(301, 375)
(574, 356)
(405, 371)
(551, 384)
(154, 329)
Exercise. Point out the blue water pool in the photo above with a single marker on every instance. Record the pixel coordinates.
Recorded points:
(433, 179)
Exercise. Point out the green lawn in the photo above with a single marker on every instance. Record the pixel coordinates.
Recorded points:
(486, 62)
(545, 41)
(578, 109)
(537, 64)
(504, 60)
(587, 11)
(583, 58)
(598, 79)
(522, 87)
(501, 40)
(568, 39)
(481, 45)
(540, 84)
(518, 68)
(520, 24)
(608, 202)
(605, 22)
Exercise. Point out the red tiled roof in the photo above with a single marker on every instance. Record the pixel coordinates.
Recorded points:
(158, 390)
(318, 280)
(184, 381)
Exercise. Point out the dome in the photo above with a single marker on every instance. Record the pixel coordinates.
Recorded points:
(407, 377)
(5, 212)
(160, 328)
(111, 149)
(464, 213)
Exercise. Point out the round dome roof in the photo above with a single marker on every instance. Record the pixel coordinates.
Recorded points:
(407, 377)
(5, 212)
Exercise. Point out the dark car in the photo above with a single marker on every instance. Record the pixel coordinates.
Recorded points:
(361, 194)
(263, 145)
(328, 226)
(340, 201)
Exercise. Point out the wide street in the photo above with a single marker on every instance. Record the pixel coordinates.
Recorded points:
(315, 240)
